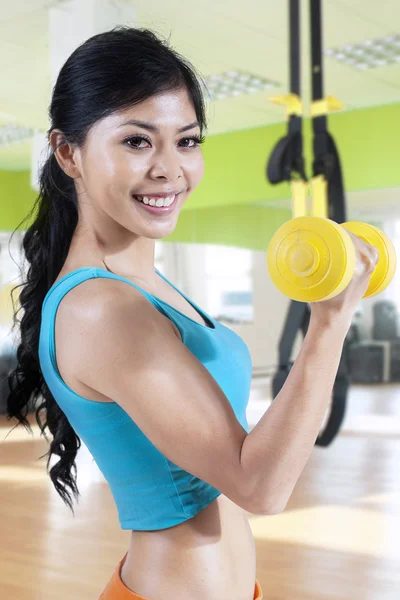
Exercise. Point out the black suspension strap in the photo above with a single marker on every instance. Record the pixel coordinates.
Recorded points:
(327, 182)
(328, 199)
(286, 162)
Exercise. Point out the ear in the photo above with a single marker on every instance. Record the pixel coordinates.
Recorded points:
(67, 155)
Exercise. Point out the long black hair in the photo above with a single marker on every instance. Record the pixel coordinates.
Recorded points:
(108, 72)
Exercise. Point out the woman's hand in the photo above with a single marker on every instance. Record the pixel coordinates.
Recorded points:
(340, 309)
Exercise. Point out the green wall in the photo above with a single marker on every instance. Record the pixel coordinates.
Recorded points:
(221, 210)
(16, 198)
(239, 225)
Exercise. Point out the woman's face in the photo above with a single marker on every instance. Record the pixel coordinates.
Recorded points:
(123, 163)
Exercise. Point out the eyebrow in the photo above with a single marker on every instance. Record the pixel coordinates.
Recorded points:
(155, 129)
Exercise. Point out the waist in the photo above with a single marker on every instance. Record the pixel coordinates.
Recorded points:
(213, 554)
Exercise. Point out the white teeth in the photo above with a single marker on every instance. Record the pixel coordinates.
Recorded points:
(158, 201)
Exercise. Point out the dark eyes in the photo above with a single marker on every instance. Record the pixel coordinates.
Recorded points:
(135, 141)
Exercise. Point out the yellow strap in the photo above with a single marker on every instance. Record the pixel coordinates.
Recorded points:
(319, 193)
(292, 103)
(325, 106)
(299, 198)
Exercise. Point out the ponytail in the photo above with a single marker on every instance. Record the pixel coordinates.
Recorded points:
(45, 244)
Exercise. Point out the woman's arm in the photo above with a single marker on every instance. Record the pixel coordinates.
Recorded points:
(276, 451)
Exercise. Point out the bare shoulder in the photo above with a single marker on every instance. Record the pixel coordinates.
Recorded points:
(109, 303)
(93, 295)
(93, 312)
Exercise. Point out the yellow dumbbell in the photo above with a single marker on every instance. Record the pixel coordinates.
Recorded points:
(311, 259)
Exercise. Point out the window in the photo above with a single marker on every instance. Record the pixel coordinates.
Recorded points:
(229, 279)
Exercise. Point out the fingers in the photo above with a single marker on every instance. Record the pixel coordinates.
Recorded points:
(372, 257)
(367, 255)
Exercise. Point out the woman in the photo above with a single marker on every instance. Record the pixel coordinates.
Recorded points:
(121, 359)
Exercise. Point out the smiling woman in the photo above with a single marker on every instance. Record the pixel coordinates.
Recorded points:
(119, 357)
(127, 124)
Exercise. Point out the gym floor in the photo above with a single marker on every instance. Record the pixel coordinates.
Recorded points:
(338, 538)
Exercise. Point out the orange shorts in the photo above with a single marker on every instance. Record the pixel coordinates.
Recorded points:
(117, 590)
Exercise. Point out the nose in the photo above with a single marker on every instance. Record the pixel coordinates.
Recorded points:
(166, 166)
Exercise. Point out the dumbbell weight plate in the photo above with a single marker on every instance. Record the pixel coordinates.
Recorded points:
(311, 259)
(386, 266)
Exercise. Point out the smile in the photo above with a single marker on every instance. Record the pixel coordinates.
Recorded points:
(157, 205)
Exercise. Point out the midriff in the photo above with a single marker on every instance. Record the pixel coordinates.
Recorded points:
(211, 556)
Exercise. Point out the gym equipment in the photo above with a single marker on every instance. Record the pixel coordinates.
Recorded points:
(311, 259)
(370, 362)
(385, 321)
(395, 360)
(327, 187)
(286, 163)
(386, 267)
(298, 319)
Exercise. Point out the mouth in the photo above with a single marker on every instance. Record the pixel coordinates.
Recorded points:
(157, 205)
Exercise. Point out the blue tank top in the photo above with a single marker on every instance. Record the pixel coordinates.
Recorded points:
(150, 492)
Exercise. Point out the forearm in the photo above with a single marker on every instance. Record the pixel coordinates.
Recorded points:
(276, 451)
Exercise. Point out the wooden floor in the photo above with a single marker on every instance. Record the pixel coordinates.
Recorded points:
(339, 538)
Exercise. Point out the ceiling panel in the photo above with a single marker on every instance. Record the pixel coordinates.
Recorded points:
(20, 9)
(343, 25)
(26, 30)
(254, 112)
(389, 74)
(215, 35)
(360, 88)
(213, 43)
(383, 12)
